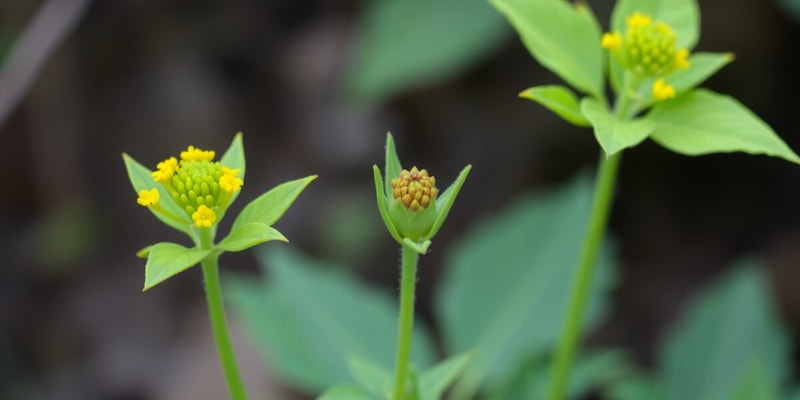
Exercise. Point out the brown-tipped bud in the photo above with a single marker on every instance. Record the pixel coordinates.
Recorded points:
(415, 189)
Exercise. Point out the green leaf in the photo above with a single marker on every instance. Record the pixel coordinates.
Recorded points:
(559, 100)
(612, 133)
(755, 384)
(561, 38)
(521, 263)
(141, 178)
(402, 45)
(393, 166)
(381, 199)
(373, 378)
(434, 381)
(683, 16)
(309, 319)
(249, 235)
(167, 259)
(636, 387)
(234, 159)
(346, 392)
(731, 327)
(702, 122)
(444, 202)
(270, 206)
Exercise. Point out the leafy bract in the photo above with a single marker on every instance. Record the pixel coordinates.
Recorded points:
(270, 206)
(309, 319)
(249, 235)
(614, 134)
(702, 122)
(729, 334)
(164, 260)
(141, 178)
(233, 158)
(559, 100)
(521, 263)
(402, 45)
(561, 37)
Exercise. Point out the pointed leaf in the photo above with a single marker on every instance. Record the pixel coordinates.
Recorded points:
(731, 327)
(393, 167)
(703, 66)
(561, 38)
(141, 178)
(444, 202)
(434, 381)
(521, 262)
(249, 235)
(683, 16)
(167, 259)
(373, 378)
(309, 318)
(612, 133)
(702, 122)
(559, 100)
(346, 392)
(381, 199)
(270, 206)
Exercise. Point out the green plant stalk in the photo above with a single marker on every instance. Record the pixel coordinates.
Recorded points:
(568, 343)
(219, 324)
(408, 279)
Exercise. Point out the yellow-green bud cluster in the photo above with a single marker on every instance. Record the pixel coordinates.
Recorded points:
(201, 187)
(648, 47)
(415, 189)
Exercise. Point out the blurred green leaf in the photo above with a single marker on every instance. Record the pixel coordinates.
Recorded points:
(346, 392)
(310, 318)
(249, 235)
(168, 259)
(561, 38)
(434, 381)
(591, 369)
(375, 379)
(640, 386)
(506, 283)
(729, 329)
(683, 16)
(559, 100)
(702, 122)
(270, 206)
(755, 384)
(612, 133)
(791, 6)
(402, 45)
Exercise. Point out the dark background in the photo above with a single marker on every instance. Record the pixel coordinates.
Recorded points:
(149, 77)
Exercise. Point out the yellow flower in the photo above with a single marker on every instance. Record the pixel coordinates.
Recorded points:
(166, 170)
(204, 217)
(415, 188)
(682, 59)
(228, 181)
(662, 91)
(148, 198)
(611, 41)
(637, 20)
(194, 154)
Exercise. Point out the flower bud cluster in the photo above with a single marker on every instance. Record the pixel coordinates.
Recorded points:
(415, 188)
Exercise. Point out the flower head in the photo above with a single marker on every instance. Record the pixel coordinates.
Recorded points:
(648, 47)
(415, 188)
(200, 186)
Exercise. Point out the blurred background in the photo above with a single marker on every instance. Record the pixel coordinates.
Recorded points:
(314, 86)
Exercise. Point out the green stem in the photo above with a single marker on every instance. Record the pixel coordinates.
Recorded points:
(408, 279)
(571, 331)
(219, 325)
(568, 344)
